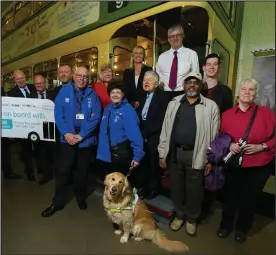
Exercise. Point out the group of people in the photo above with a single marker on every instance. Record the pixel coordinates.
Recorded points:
(140, 129)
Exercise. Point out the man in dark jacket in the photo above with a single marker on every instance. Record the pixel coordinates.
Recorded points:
(151, 112)
(44, 150)
(22, 89)
(222, 96)
(6, 154)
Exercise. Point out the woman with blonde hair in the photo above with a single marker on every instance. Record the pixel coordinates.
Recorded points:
(134, 76)
(100, 87)
(252, 129)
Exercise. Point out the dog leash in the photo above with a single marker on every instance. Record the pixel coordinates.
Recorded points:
(130, 171)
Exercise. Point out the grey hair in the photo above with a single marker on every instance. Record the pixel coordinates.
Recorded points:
(174, 27)
(154, 75)
(250, 80)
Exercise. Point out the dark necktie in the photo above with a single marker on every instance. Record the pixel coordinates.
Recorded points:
(268, 103)
(27, 93)
(42, 96)
(173, 74)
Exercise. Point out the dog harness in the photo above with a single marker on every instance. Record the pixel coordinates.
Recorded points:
(129, 206)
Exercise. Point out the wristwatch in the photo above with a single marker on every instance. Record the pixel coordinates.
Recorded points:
(265, 147)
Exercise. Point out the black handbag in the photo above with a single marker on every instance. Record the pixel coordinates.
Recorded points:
(235, 160)
(122, 152)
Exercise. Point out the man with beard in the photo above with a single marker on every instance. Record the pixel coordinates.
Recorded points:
(65, 75)
(190, 125)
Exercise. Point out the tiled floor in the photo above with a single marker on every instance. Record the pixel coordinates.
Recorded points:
(72, 231)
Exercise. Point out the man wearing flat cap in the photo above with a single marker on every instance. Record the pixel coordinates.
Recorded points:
(190, 125)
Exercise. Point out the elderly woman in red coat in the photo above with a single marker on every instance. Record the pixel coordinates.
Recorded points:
(245, 182)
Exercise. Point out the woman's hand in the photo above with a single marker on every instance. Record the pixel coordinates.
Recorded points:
(208, 168)
(253, 148)
(235, 148)
(134, 163)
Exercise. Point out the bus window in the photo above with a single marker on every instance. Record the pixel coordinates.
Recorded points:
(194, 21)
(125, 39)
(8, 22)
(28, 71)
(88, 58)
(49, 70)
(121, 61)
(8, 82)
(224, 61)
(23, 11)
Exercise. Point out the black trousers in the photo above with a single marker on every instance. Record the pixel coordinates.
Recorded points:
(6, 156)
(242, 189)
(27, 155)
(149, 174)
(68, 157)
(187, 186)
(45, 157)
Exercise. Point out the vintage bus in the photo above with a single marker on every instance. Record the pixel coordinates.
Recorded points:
(37, 37)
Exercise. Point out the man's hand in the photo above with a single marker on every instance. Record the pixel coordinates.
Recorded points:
(235, 148)
(253, 148)
(136, 104)
(71, 138)
(134, 163)
(162, 163)
(208, 168)
(78, 138)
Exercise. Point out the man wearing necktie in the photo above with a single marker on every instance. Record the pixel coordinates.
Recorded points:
(183, 61)
(44, 150)
(151, 112)
(22, 89)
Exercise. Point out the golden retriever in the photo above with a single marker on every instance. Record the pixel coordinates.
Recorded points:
(138, 220)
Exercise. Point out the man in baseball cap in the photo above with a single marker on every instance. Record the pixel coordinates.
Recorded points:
(191, 122)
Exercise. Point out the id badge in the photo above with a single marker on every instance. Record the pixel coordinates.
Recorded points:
(79, 116)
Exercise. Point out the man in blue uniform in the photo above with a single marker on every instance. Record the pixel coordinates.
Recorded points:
(77, 114)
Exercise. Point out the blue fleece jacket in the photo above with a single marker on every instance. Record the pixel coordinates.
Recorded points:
(124, 125)
(65, 114)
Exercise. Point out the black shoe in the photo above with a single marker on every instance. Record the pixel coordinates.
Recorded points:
(30, 177)
(12, 176)
(141, 192)
(222, 233)
(44, 180)
(82, 204)
(240, 237)
(50, 211)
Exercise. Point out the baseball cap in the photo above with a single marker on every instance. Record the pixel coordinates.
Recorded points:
(194, 75)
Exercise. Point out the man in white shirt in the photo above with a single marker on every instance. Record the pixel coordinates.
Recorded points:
(174, 64)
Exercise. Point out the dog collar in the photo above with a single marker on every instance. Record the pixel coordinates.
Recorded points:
(128, 207)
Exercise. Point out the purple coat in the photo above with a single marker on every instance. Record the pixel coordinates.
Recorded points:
(218, 149)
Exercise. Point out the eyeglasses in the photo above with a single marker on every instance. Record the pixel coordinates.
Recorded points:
(192, 82)
(176, 36)
(79, 76)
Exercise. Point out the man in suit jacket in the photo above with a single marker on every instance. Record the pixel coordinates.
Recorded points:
(44, 150)
(151, 112)
(6, 155)
(22, 89)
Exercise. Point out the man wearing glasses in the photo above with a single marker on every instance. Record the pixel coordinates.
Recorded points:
(174, 64)
(190, 125)
(77, 115)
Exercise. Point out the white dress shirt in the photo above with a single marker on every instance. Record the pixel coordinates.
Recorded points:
(187, 62)
(40, 96)
(23, 90)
